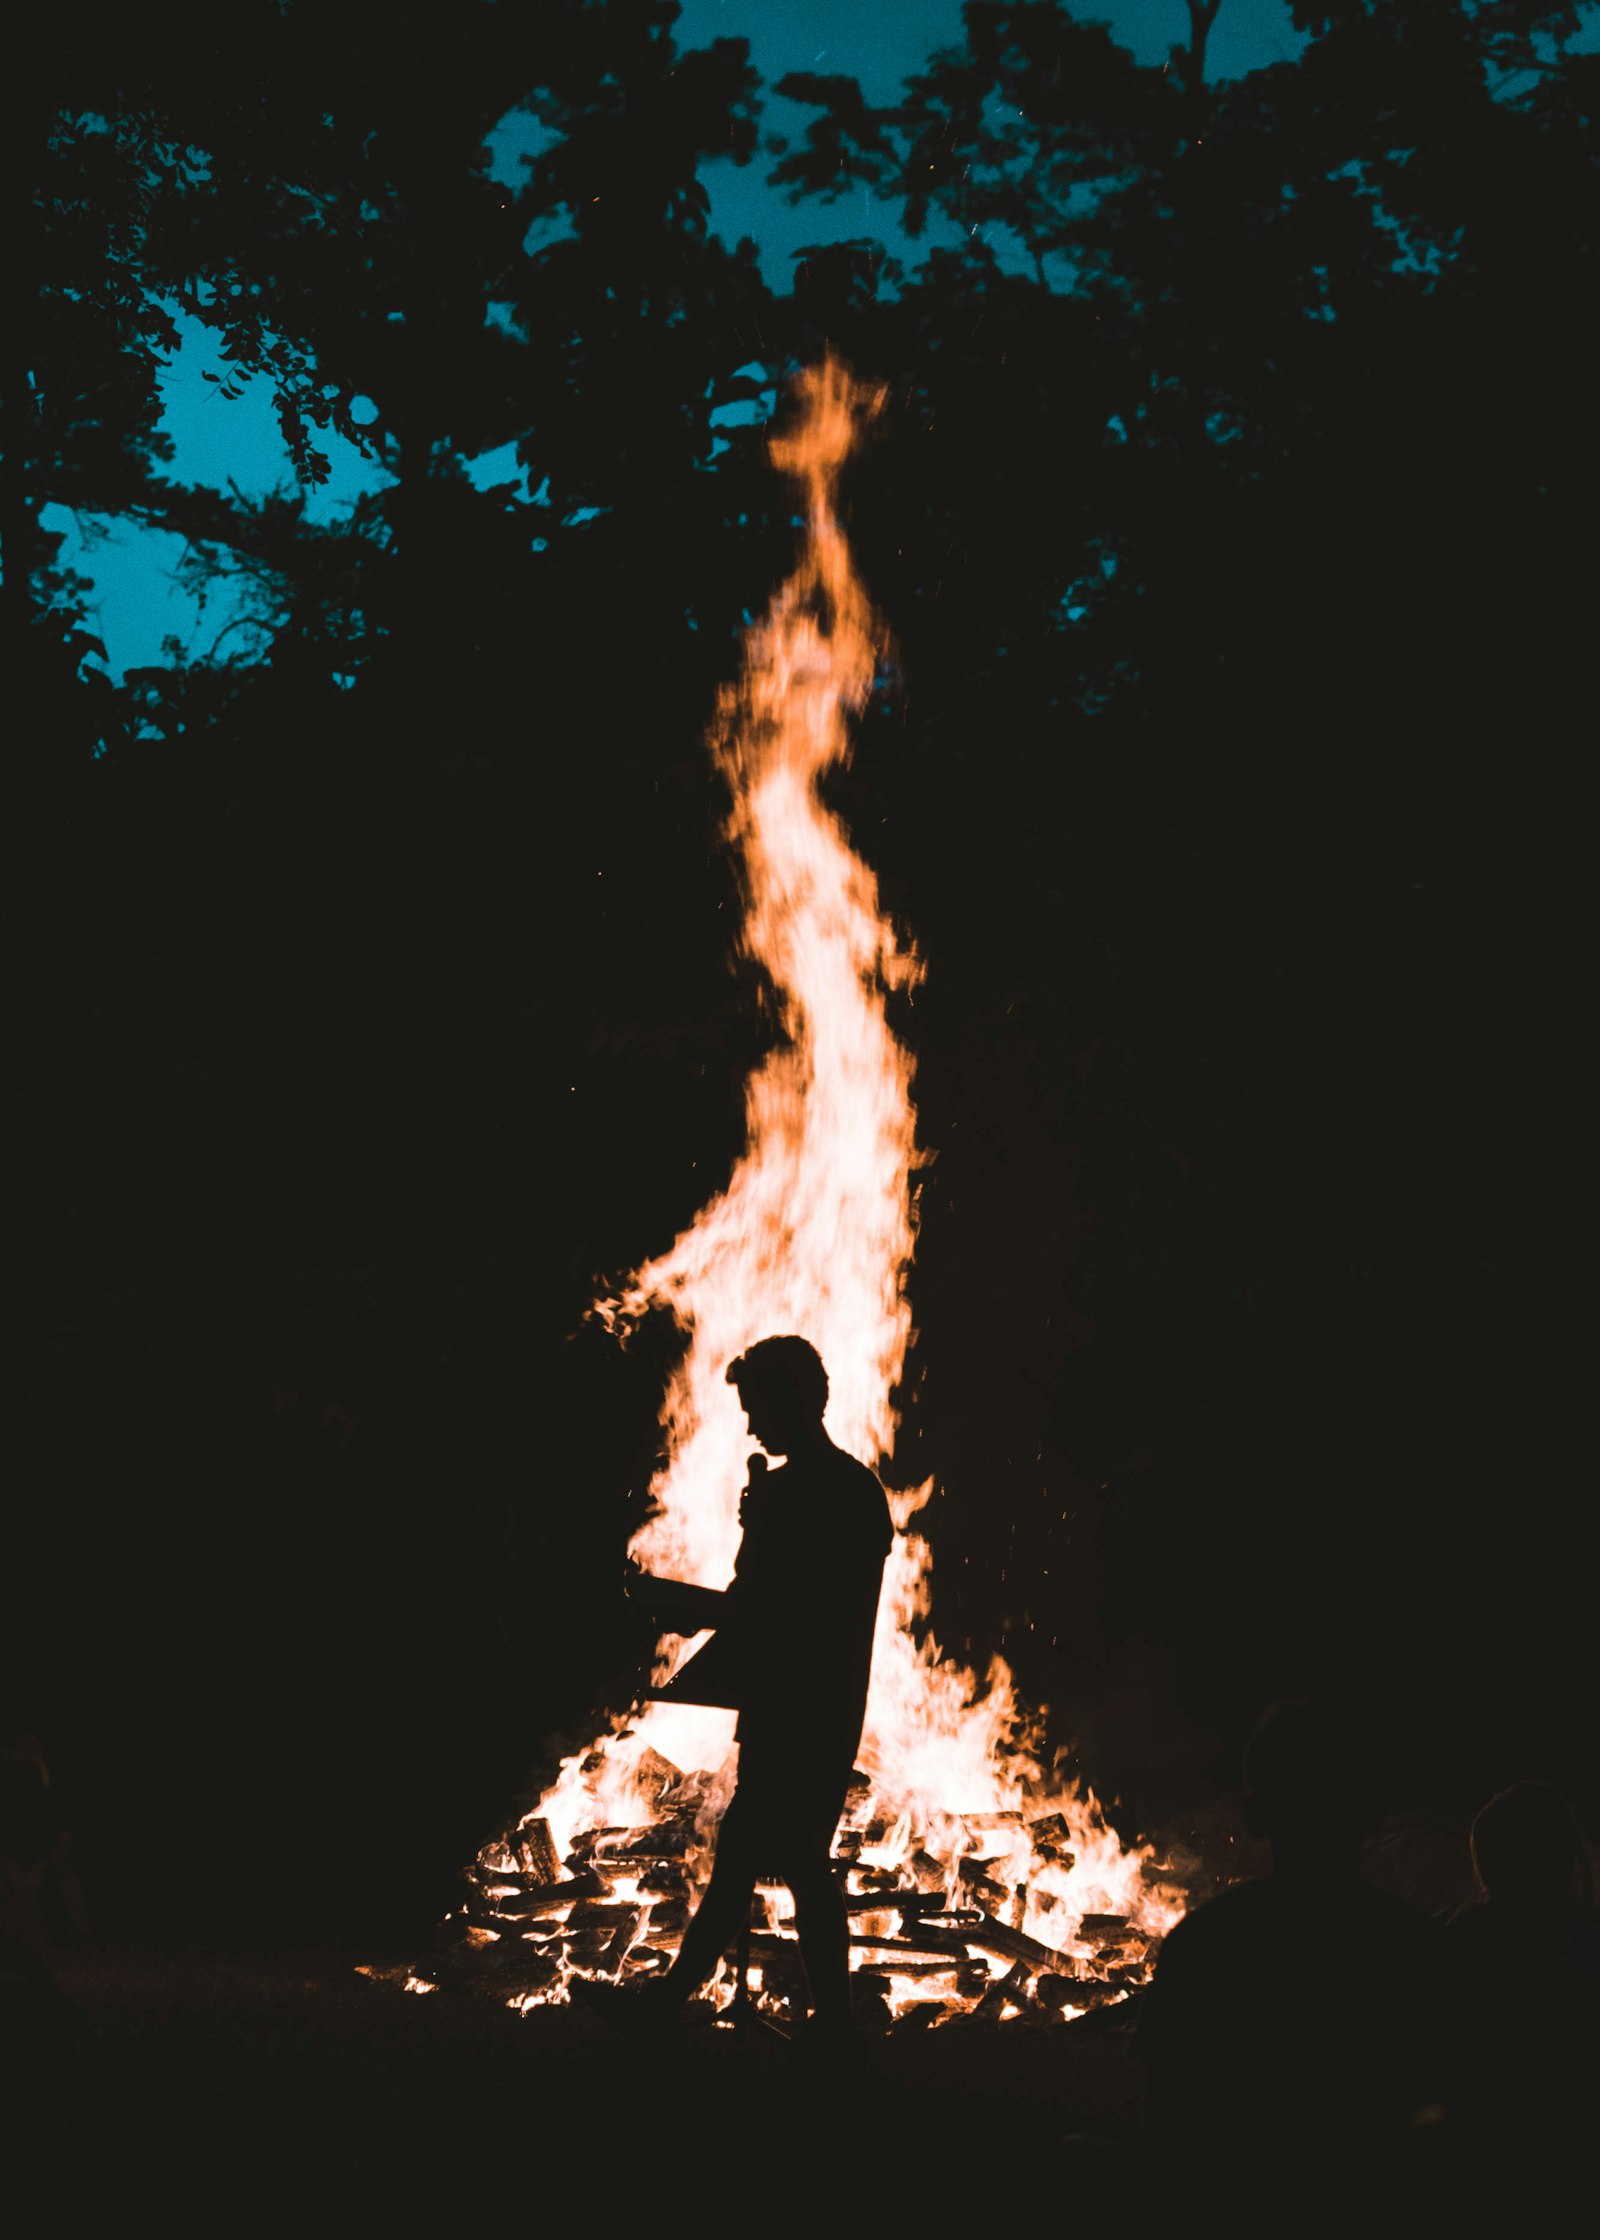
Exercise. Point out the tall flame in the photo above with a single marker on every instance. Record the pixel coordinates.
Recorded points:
(814, 1234)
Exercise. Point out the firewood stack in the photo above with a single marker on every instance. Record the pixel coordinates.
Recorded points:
(938, 1940)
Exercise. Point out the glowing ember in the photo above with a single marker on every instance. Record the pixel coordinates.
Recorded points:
(994, 1877)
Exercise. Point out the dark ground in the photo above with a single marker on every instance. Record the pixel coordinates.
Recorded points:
(242, 2078)
(288, 2070)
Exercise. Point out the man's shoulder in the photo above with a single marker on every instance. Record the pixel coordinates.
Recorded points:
(1244, 1910)
(855, 1493)
(865, 1487)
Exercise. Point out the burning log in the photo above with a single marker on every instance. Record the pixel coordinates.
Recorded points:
(980, 1884)
(622, 1941)
(920, 1947)
(536, 1851)
(657, 1775)
(529, 1905)
(1013, 1989)
(923, 2014)
(688, 1796)
(994, 1936)
(602, 1914)
(492, 1884)
(1055, 1993)
(667, 1839)
(584, 1842)
(875, 1901)
(904, 1967)
(458, 1929)
(612, 1871)
(1088, 1992)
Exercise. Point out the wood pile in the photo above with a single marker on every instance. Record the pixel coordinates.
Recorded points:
(934, 1941)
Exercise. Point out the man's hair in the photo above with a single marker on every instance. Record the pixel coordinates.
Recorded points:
(788, 1370)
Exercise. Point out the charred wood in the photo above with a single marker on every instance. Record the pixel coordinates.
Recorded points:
(584, 1842)
(983, 1885)
(536, 1851)
(600, 1913)
(669, 1840)
(1013, 1989)
(906, 1966)
(622, 1940)
(994, 1936)
(1055, 1993)
(531, 1904)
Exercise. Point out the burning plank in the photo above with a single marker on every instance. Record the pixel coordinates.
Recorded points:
(529, 1905)
(996, 1937)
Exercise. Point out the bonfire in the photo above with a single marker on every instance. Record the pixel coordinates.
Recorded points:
(978, 1878)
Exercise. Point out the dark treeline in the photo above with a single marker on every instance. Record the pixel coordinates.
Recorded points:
(1230, 512)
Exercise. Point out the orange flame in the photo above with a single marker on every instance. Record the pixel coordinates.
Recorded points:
(814, 1234)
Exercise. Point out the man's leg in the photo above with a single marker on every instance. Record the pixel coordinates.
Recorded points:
(824, 1931)
(724, 1907)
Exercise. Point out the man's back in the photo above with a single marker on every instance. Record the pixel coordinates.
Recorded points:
(1308, 2008)
(805, 1597)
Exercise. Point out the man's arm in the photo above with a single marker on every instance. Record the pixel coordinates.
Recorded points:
(676, 1605)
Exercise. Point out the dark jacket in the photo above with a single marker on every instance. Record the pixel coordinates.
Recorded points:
(793, 1649)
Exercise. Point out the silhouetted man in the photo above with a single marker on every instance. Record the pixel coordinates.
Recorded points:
(1302, 2010)
(794, 1648)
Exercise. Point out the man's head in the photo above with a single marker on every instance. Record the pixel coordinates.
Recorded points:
(784, 1388)
(1310, 1788)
